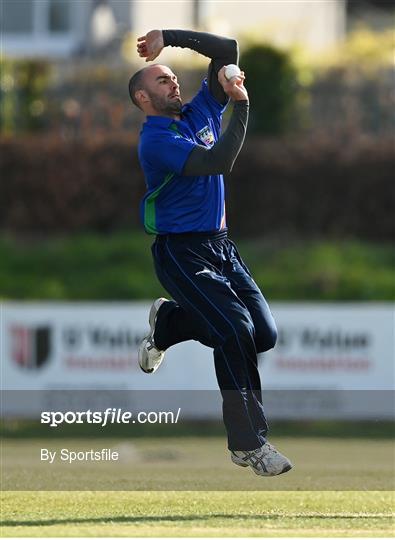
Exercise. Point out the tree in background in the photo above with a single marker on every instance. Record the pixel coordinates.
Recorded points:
(23, 87)
(272, 87)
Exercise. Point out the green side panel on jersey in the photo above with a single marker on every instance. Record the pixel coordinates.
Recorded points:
(174, 127)
(150, 210)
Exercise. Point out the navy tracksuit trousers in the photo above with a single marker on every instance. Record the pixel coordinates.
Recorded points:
(217, 303)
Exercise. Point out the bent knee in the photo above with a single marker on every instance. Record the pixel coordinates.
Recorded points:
(273, 335)
(267, 339)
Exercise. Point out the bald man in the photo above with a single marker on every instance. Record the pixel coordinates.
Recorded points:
(184, 156)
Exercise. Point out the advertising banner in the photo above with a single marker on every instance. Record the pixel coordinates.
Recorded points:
(342, 351)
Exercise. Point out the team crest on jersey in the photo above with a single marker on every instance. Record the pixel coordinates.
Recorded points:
(206, 136)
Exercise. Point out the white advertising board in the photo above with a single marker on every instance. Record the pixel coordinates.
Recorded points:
(335, 347)
(332, 346)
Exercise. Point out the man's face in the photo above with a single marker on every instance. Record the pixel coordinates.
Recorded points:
(163, 90)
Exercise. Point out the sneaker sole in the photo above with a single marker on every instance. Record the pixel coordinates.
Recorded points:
(285, 469)
(241, 463)
(151, 320)
(140, 356)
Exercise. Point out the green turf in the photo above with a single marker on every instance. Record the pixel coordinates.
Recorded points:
(352, 481)
(353, 514)
(198, 464)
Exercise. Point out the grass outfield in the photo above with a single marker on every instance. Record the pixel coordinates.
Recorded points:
(281, 513)
(197, 464)
(348, 468)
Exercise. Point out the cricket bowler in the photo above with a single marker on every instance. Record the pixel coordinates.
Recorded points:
(215, 300)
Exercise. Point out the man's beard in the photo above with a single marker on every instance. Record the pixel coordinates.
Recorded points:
(164, 106)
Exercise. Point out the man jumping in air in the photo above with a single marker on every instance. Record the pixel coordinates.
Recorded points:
(215, 300)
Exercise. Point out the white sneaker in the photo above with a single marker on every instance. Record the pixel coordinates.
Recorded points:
(265, 461)
(150, 358)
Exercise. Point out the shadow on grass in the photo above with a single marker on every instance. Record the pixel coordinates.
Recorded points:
(157, 519)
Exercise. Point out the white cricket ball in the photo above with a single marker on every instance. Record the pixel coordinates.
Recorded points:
(232, 71)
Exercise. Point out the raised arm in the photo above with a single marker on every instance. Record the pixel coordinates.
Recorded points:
(221, 157)
(221, 50)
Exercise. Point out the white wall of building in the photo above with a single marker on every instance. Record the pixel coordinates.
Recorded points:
(315, 24)
(37, 37)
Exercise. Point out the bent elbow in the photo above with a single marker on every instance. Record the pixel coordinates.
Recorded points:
(232, 50)
(233, 45)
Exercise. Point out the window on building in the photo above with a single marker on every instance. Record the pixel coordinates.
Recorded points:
(360, 5)
(59, 16)
(16, 16)
(375, 14)
(26, 16)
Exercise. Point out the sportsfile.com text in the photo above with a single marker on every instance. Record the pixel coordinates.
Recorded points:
(109, 416)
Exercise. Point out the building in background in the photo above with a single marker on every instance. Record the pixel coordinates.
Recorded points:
(61, 28)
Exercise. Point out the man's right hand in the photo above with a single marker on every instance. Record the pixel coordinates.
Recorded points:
(150, 45)
(234, 88)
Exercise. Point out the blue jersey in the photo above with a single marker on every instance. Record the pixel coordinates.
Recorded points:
(175, 203)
